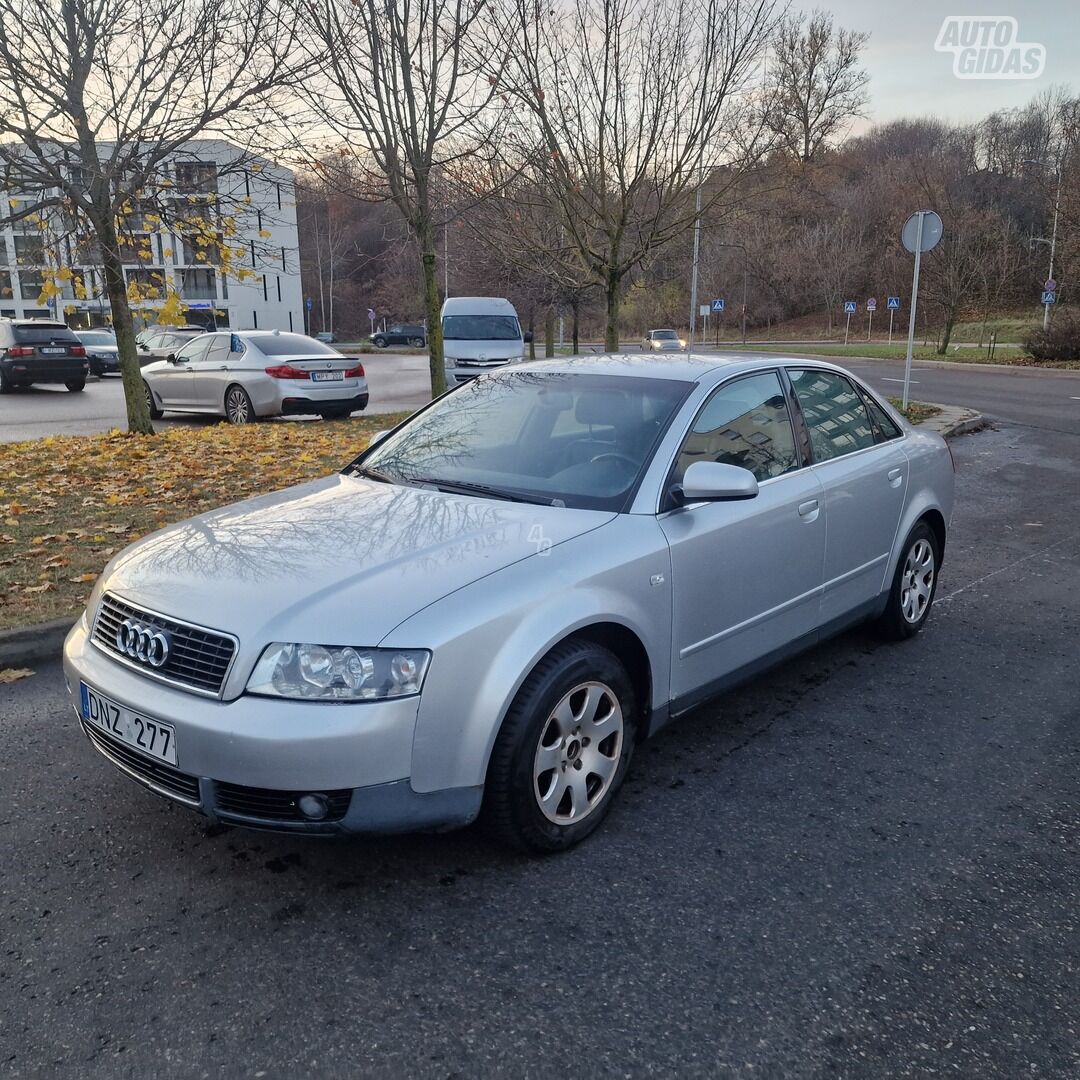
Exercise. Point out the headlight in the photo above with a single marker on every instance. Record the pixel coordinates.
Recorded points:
(338, 672)
(682, 342)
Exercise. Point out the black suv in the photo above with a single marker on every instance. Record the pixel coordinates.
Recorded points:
(401, 334)
(40, 351)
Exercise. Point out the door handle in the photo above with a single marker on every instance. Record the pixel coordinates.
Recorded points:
(808, 509)
(895, 475)
(224, 367)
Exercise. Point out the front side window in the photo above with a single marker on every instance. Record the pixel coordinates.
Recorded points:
(745, 423)
(194, 350)
(835, 414)
(578, 440)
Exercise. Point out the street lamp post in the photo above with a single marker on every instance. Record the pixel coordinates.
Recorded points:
(1053, 228)
(694, 268)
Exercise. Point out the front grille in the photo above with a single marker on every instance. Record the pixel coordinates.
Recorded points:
(161, 777)
(272, 805)
(198, 659)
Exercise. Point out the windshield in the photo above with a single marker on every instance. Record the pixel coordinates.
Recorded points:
(291, 345)
(580, 440)
(481, 328)
(665, 335)
(97, 337)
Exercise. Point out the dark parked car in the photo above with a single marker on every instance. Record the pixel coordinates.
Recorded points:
(101, 351)
(40, 351)
(164, 341)
(401, 334)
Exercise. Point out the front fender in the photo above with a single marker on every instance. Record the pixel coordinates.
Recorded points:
(487, 637)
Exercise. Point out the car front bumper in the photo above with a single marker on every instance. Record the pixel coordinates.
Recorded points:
(248, 761)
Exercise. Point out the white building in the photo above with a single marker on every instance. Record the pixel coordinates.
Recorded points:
(256, 196)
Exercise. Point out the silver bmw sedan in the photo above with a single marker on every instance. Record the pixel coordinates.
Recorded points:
(485, 612)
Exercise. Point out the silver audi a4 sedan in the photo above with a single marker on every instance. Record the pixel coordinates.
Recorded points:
(247, 375)
(485, 612)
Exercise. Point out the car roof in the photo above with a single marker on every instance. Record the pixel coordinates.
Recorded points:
(691, 367)
(478, 305)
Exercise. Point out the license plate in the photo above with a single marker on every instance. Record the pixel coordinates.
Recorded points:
(153, 737)
(327, 376)
(46, 351)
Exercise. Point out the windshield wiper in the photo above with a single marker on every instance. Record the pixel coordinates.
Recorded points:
(369, 474)
(465, 487)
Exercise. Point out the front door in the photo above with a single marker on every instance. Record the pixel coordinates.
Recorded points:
(864, 475)
(175, 383)
(746, 575)
(210, 375)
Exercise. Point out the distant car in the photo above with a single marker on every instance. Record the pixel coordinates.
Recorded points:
(480, 333)
(327, 337)
(164, 341)
(101, 351)
(401, 334)
(40, 351)
(248, 375)
(663, 341)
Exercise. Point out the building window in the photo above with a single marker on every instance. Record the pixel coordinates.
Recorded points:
(5, 285)
(198, 284)
(255, 319)
(30, 284)
(279, 290)
(266, 295)
(197, 177)
(150, 283)
(136, 248)
(199, 251)
(290, 320)
(278, 189)
(283, 266)
(29, 250)
(251, 243)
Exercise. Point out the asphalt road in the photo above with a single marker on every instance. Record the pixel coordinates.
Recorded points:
(863, 864)
(396, 382)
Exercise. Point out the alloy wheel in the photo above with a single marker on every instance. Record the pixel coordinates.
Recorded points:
(237, 407)
(917, 584)
(578, 753)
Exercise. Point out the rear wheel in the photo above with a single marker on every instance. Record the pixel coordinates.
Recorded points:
(238, 407)
(914, 585)
(76, 385)
(416, 342)
(7, 383)
(379, 342)
(155, 412)
(563, 750)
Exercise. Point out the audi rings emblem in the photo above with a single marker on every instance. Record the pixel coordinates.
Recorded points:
(147, 644)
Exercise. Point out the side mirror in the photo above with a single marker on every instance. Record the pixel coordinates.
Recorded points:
(527, 337)
(711, 481)
(379, 435)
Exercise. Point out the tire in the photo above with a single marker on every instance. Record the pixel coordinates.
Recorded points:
(238, 407)
(416, 342)
(7, 384)
(155, 412)
(76, 385)
(379, 342)
(914, 585)
(531, 807)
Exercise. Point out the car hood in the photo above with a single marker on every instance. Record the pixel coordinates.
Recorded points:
(340, 560)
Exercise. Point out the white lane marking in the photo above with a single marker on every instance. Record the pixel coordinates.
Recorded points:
(1074, 398)
(885, 378)
(1002, 569)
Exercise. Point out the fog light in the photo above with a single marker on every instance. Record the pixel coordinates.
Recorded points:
(313, 806)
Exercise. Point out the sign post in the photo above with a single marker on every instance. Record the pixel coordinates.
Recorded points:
(718, 310)
(849, 310)
(308, 305)
(894, 306)
(921, 233)
(371, 318)
(871, 307)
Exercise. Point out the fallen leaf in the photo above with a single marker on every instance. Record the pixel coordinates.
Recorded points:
(10, 675)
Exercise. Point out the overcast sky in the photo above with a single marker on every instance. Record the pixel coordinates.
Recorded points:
(909, 78)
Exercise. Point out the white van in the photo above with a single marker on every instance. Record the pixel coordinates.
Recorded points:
(479, 333)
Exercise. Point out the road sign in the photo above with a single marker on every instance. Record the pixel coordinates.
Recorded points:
(1049, 297)
(704, 309)
(871, 304)
(718, 304)
(894, 303)
(850, 307)
(371, 313)
(309, 303)
(1050, 285)
(922, 231)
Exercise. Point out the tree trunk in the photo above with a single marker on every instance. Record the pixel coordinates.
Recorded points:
(432, 305)
(614, 300)
(575, 325)
(549, 332)
(946, 334)
(138, 414)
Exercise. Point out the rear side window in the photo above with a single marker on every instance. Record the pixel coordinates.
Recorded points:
(835, 414)
(745, 423)
(42, 335)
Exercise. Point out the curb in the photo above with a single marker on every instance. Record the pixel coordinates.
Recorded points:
(952, 421)
(32, 644)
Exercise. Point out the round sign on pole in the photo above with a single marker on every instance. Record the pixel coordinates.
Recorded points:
(1049, 284)
(871, 304)
(931, 231)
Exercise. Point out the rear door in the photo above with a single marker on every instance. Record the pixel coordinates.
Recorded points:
(864, 478)
(746, 575)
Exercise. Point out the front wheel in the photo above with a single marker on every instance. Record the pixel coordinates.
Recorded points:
(76, 385)
(379, 342)
(151, 405)
(238, 407)
(416, 342)
(914, 585)
(563, 750)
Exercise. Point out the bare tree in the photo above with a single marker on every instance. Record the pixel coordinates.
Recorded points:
(629, 105)
(406, 86)
(97, 97)
(816, 85)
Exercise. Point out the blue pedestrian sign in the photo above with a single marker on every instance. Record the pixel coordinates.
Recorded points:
(718, 304)
(1049, 297)
(850, 307)
(894, 303)
(309, 303)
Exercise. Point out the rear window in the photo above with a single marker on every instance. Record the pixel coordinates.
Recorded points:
(42, 335)
(291, 345)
